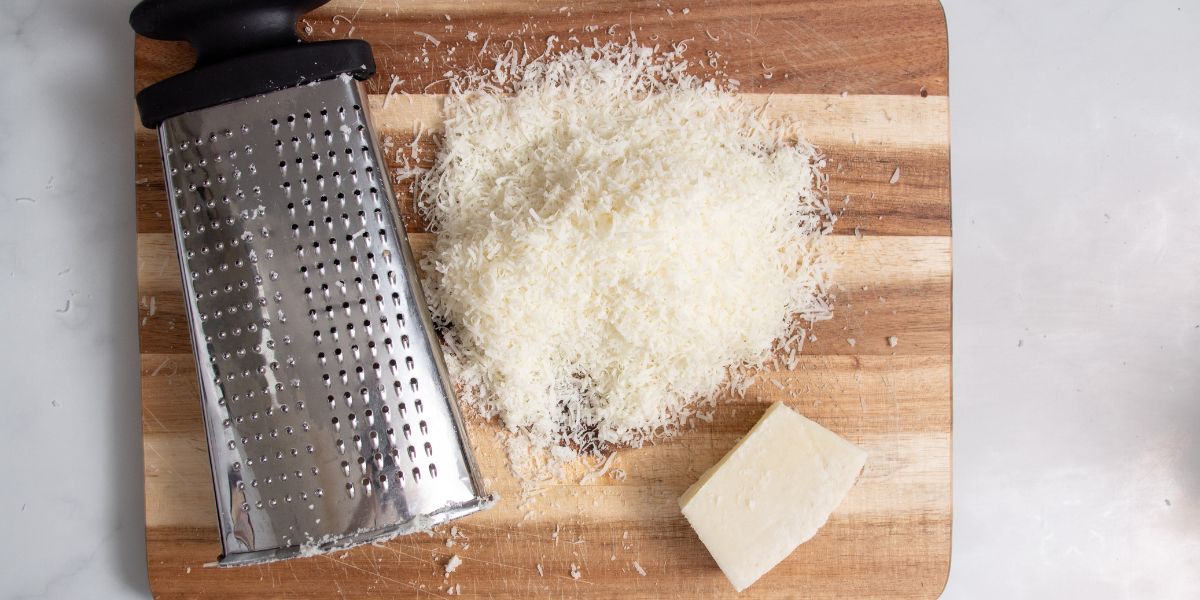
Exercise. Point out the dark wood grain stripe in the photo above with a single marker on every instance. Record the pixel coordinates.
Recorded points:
(916, 205)
(810, 46)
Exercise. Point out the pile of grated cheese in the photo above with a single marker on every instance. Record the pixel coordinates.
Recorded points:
(618, 242)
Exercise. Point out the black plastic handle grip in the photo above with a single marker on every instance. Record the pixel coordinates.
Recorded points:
(221, 29)
(243, 48)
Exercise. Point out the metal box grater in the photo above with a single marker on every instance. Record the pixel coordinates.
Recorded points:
(329, 415)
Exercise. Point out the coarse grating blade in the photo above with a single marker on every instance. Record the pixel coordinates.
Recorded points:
(328, 411)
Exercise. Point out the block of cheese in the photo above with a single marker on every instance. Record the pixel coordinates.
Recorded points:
(770, 493)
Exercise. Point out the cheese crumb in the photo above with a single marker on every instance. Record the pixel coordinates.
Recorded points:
(639, 569)
(452, 564)
(429, 38)
(893, 341)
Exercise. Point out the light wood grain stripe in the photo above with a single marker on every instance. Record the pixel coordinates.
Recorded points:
(892, 121)
(847, 393)
(866, 261)
(865, 139)
(885, 286)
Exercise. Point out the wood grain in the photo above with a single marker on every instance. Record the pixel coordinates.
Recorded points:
(889, 539)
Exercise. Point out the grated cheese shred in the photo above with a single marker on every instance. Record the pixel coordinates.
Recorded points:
(618, 242)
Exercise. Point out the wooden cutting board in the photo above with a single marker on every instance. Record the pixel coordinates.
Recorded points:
(868, 78)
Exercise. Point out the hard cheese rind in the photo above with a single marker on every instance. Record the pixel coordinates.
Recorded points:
(771, 493)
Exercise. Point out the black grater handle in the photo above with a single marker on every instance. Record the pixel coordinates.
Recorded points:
(222, 29)
(243, 49)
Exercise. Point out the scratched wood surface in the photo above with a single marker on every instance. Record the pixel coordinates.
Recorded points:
(891, 536)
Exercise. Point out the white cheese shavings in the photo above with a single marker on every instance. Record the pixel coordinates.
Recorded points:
(429, 38)
(452, 564)
(617, 241)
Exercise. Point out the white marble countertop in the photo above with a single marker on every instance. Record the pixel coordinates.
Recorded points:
(1076, 184)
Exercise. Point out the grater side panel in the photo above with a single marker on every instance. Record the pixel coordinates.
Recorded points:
(327, 410)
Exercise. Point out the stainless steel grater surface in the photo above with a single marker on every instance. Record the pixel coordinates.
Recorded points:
(329, 416)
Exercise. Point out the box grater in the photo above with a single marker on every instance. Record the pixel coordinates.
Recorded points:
(329, 415)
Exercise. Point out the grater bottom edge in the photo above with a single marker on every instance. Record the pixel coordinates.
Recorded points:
(418, 524)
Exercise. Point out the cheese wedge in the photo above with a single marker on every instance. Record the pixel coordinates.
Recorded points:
(771, 493)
